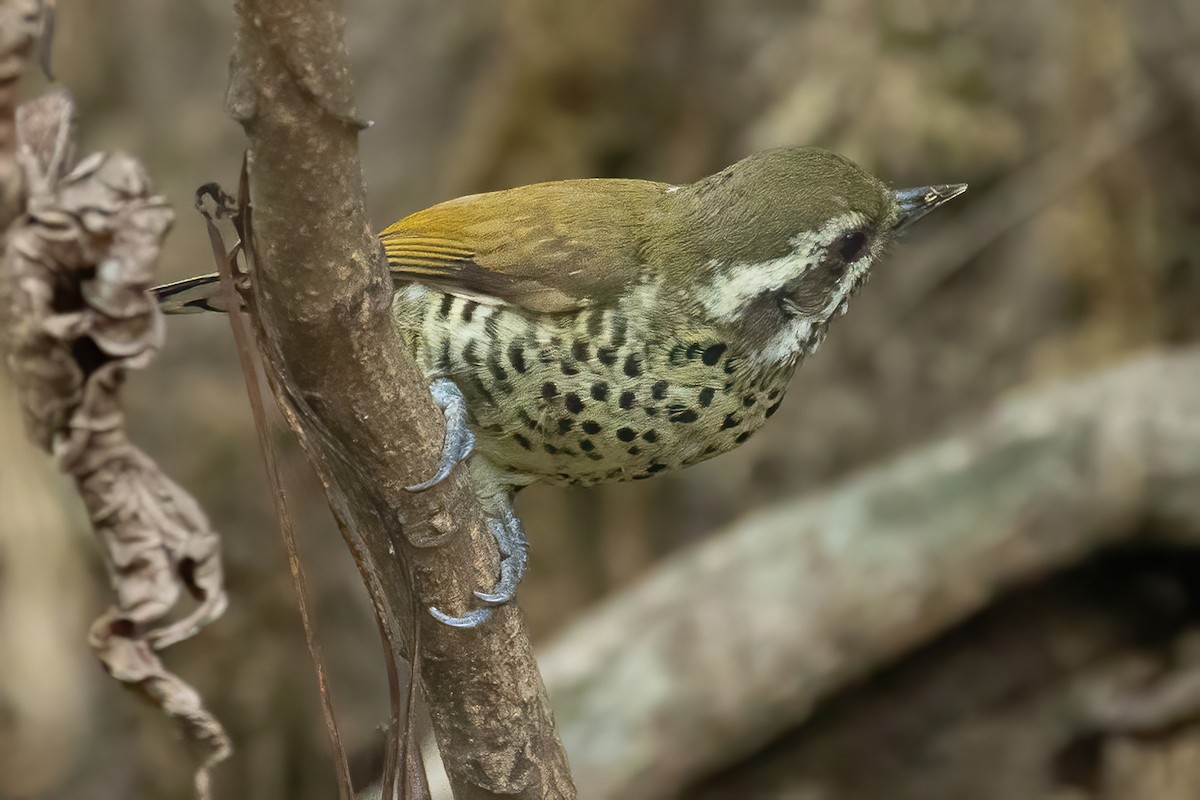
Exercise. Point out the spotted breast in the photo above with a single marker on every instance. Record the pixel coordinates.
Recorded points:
(594, 396)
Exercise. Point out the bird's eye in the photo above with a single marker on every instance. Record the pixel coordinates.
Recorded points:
(851, 246)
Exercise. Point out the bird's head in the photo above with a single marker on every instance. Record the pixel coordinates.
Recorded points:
(786, 236)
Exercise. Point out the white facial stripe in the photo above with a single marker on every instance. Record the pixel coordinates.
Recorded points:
(734, 288)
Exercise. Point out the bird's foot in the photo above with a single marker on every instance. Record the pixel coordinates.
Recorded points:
(506, 527)
(459, 441)
(510, 542)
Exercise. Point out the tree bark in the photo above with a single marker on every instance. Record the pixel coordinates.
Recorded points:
(321, 302)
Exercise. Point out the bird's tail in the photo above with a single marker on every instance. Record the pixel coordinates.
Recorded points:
(191, 296)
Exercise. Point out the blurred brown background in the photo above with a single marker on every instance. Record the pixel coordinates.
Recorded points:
(1077, 124)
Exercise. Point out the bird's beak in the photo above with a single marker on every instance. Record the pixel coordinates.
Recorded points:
(916, 203)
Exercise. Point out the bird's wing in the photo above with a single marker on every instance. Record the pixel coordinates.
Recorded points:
(550, 247)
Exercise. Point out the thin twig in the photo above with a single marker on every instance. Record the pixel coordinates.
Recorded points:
(225, 261)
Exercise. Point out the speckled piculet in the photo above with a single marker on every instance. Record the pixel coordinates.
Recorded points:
(601, 330)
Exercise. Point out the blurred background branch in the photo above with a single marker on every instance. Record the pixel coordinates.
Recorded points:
(732, 643)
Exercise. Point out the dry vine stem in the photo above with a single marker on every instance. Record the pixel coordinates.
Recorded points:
(321, 306)
(78, 265)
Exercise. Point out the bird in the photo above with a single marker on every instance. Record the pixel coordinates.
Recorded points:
(587, 331)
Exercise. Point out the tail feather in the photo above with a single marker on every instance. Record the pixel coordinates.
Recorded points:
(191, 296)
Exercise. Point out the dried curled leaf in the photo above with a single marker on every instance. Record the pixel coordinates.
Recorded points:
(79, 265)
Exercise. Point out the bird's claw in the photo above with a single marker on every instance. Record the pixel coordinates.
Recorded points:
(471, 619)
(459, 441)
(514, 556)
(507, 530)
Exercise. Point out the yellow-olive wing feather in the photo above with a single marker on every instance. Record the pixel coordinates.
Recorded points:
(549, 247)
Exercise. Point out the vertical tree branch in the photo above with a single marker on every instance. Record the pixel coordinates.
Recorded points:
(321, 302)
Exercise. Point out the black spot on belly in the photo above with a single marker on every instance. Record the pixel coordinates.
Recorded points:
(528, 421)
(498, 371)
(468, 312)
(619, 326)
(730, 422)
(590, 426)
(521, 440)
(483, 391)
(749, 400)
(471, 353)
(595, 323)
(678, 356)
(626, 434)
(681, 414)
(579, 351)
(633, 365)
(600, 392)
(491, 323)
(743, 436)
(586, 445)
(713, 354)
(656, 467)
(573, 403)
(549, 390)
(607, 356)
(516, 357)
(774, 408)
(551, 449)
(650, 436)
(634, 451)
(627, 400)
(705, 397)
(659, 390)
(565, 424)
(569, 368)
